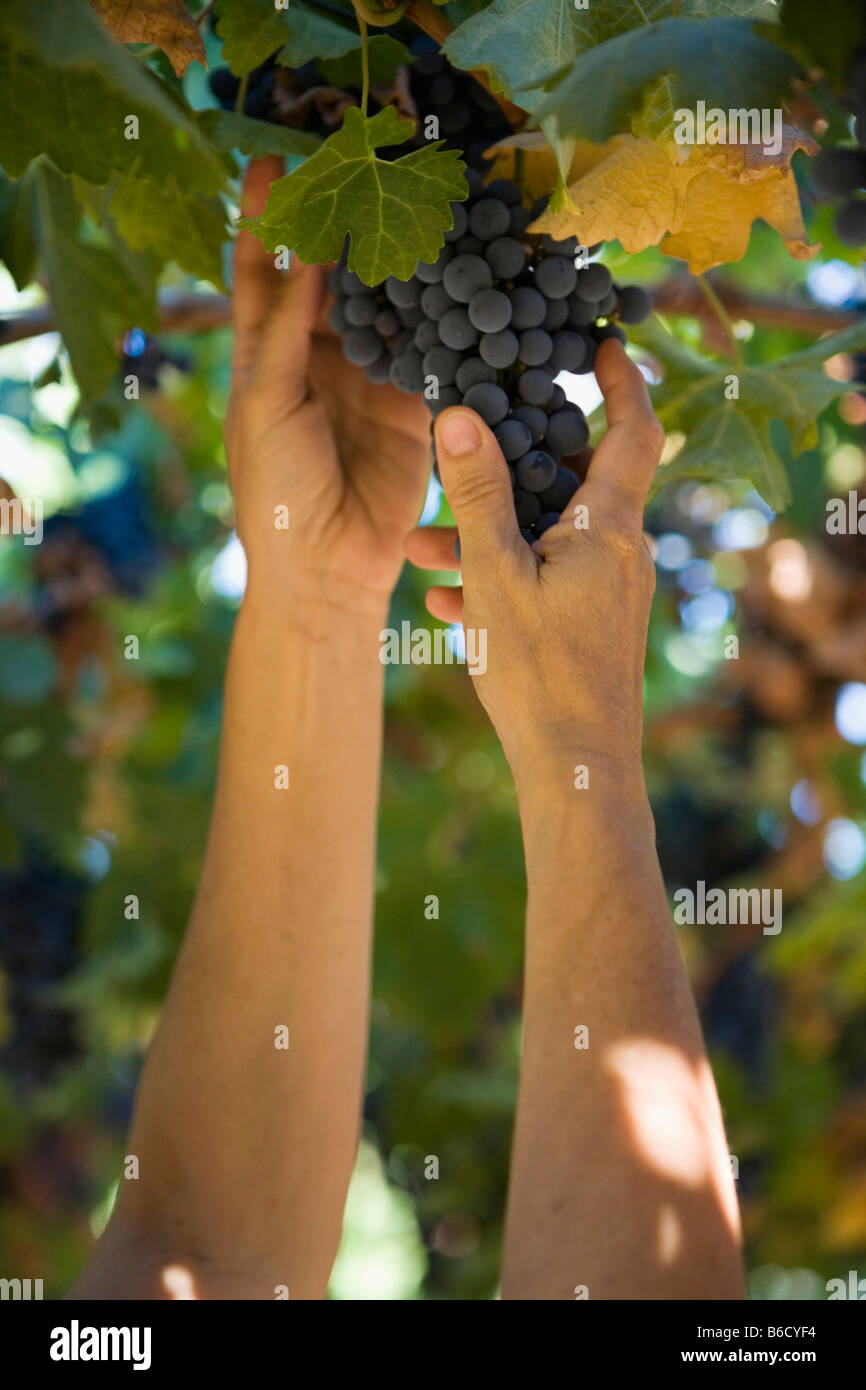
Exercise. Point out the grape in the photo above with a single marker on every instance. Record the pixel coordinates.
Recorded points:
(380, 370)
(533, 418)
(404, 294)
(569, 351)
(361, 310)
(535, 347)
(426, 335)
(489, 218)
(536, 470)
(851, 222)
(407, 371)
(337, 317)
(582, 312)
(555, 315)
(506, 257)
(488, 400)
(386, 323)
(456, 329)
(471, 372)
(514, 438)
(557, 399)
(460, 224)
(490, 311)
(412, 317)
(448, 395)
(519, 221)
(567, 248)
(545, 522)
(635, 304)
(469, 246)
(589, 360)
(607, 305)
(436, 301)
(465, 276)
(528, 307)
(474, 181)
(403, 341)
(442, 362)
(535, 386)
(334, 277)
(506, 190)
(837, 172)
(512, 478)
(431, 272)
(499, 349)
(556, 277)
(443, 89)
(362, 346)
(350, 283)
(527, 507)
(567, 432)
(593, 282)
(557, 497)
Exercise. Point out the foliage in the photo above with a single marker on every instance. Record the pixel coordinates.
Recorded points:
(107, 766)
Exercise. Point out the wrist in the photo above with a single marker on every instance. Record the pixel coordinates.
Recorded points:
(319, 604)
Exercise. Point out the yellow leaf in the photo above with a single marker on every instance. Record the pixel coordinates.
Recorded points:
(699, 206)
(166, 23)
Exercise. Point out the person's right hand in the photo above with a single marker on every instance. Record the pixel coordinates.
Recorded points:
(566, 618)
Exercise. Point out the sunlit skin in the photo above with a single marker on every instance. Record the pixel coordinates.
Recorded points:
(245, 1149)
(620, 1179)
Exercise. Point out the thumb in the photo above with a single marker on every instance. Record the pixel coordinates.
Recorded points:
(475, 478)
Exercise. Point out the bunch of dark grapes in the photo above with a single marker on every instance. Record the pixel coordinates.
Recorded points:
(490, 325)
(469, 118)
(840, 173)
(40, 922)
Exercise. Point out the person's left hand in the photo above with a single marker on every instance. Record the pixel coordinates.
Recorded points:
(306, 430)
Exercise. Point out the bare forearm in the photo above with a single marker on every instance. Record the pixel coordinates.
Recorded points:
(620, 1179)
(248, 1114)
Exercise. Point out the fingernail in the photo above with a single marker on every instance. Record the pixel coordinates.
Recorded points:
(459, 434)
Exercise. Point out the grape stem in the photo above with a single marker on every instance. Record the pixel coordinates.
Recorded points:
(722, 315)
(365, 61)
(432, 21)
(242, 92)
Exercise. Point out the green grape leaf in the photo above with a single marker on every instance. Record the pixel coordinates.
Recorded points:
(720, 61)
(17, 229)
(229, 130)
(253, 31)
(394, 213)
(729, 439)
(171, 224)
(96, 297)
(386, 56)
(69, 91)
(520, 43)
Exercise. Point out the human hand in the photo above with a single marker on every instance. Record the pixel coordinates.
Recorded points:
(566, 618)
(307, 431)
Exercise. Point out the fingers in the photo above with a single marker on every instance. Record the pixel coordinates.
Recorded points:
(625, 461)
(445, 604)
(256, 278)
(432, 548)
(286, 339)
(476, 482)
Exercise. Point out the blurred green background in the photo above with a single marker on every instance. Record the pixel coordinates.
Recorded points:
(756, 767)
